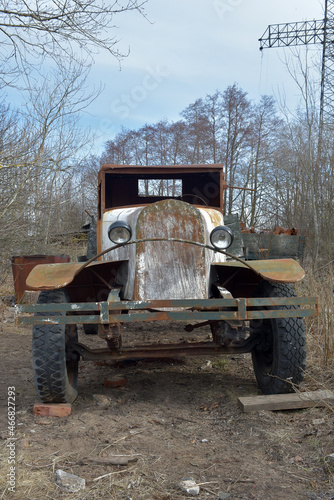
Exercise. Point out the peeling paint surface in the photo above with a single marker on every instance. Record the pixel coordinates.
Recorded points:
(279, 270)
(129, 215)
(211, 219)
(170, 270)
(164, 270)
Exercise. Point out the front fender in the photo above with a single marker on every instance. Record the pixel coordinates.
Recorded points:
(82, 282)
(52, 276)
(240, 278)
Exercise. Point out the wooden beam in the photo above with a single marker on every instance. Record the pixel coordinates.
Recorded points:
(286, 401)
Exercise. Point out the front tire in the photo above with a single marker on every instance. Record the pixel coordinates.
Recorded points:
(279, 357)
(55, 375)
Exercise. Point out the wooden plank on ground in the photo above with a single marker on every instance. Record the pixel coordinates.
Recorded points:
(286, 401)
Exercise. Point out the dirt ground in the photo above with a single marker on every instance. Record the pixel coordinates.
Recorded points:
(178, 419)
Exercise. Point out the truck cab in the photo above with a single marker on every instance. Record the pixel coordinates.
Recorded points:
(163, 255)
(161, 205)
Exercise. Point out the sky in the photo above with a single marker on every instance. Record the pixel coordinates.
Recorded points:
(186, 49)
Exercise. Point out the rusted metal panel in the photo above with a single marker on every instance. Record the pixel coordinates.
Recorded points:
(208, 218)
(166, 316)
(170, 270)
(177, 304)
(53, 276)
(99, 235)
(163, 350)
(166, 169)
(22, 265)
(118, 184)
(277, 270)
(273, 246)
(253, 245)
(178, 310)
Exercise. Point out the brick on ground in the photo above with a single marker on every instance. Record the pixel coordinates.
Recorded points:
(52, 410)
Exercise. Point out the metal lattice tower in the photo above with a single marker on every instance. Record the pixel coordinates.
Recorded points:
(304, 33)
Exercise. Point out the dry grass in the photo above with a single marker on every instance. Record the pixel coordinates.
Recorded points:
(34, 484)
(320, 330)
(36, 478)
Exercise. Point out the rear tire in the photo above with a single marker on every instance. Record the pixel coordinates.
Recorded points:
(279, 357)
(55, 375)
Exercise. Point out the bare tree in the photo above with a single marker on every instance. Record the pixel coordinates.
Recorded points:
(198, 139)
(56, 29)
(302, 130)
(50, 116)
(237, 115)
(40, 181)
(263, 144)
(213, 106)
(47, 49)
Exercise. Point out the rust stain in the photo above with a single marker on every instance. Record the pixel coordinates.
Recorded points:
(215, 216)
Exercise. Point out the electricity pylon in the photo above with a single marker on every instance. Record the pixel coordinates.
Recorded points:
(304, 33)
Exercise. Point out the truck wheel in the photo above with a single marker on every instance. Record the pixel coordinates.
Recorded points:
(55, 375)
(90, 329)
(279, 357)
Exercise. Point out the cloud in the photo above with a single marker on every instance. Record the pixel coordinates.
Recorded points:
(189, 49)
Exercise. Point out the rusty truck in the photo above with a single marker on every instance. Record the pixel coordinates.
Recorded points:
(163, 255)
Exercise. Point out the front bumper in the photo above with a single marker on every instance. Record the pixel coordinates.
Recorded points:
(112, 310)
(111, 314)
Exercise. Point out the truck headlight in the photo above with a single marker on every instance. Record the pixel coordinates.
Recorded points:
(221, 237)
(119, 232)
